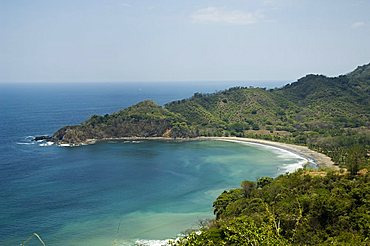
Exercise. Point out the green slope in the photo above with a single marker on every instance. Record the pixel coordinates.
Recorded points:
(145, 119)
(313, 102)
(235, 110)
(327, 114)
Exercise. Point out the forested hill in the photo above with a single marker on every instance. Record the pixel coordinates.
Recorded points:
(316, 110)
(312, 103)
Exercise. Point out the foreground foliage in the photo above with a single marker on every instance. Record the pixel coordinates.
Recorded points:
(294, 209)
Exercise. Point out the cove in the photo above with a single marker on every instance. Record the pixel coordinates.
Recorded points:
(124, 192)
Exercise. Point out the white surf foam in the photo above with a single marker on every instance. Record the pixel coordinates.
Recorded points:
(46, 144)
(142, 242)
(30, 140)
(132, 141)
(289, 168)
(26, 141)
(149, 242)
(282, 153)
(65, 145)
(21, 143)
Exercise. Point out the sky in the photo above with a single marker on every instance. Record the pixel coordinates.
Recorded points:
(191, 40)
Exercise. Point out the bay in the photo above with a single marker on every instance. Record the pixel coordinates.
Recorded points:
(111, 193)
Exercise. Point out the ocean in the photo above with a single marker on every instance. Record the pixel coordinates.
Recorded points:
(116, 192)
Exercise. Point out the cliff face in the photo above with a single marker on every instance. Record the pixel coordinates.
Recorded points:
(313, 103)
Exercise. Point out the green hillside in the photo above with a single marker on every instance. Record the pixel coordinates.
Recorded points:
(330, 115)
(310, 104)
(145, 119)
(232, 111)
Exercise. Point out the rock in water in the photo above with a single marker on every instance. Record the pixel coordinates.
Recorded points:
(44, 137)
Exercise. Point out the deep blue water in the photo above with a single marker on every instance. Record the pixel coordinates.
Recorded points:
(113, 192)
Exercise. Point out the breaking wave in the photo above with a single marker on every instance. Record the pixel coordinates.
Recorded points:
(281, 153)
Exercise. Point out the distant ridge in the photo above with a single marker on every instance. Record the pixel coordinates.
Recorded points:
(311, 104)
(361, 73)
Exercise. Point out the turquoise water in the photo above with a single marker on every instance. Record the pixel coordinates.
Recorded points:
(124, 191)
(111, 193)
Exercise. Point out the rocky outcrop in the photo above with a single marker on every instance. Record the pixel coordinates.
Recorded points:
(43, 138)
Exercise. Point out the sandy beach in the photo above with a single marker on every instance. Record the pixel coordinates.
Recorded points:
(318, 158)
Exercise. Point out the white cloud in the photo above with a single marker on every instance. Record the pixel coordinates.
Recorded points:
(220, 15)
(125, 5)
(358, 24)
(269, 2)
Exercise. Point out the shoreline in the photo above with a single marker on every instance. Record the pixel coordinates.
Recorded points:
(311, 156)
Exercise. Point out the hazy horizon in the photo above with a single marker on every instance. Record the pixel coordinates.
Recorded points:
(145, 41)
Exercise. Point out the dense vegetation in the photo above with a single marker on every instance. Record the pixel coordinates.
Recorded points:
(145, 119)
(302, 208)
(314, 103)
(330, 115)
